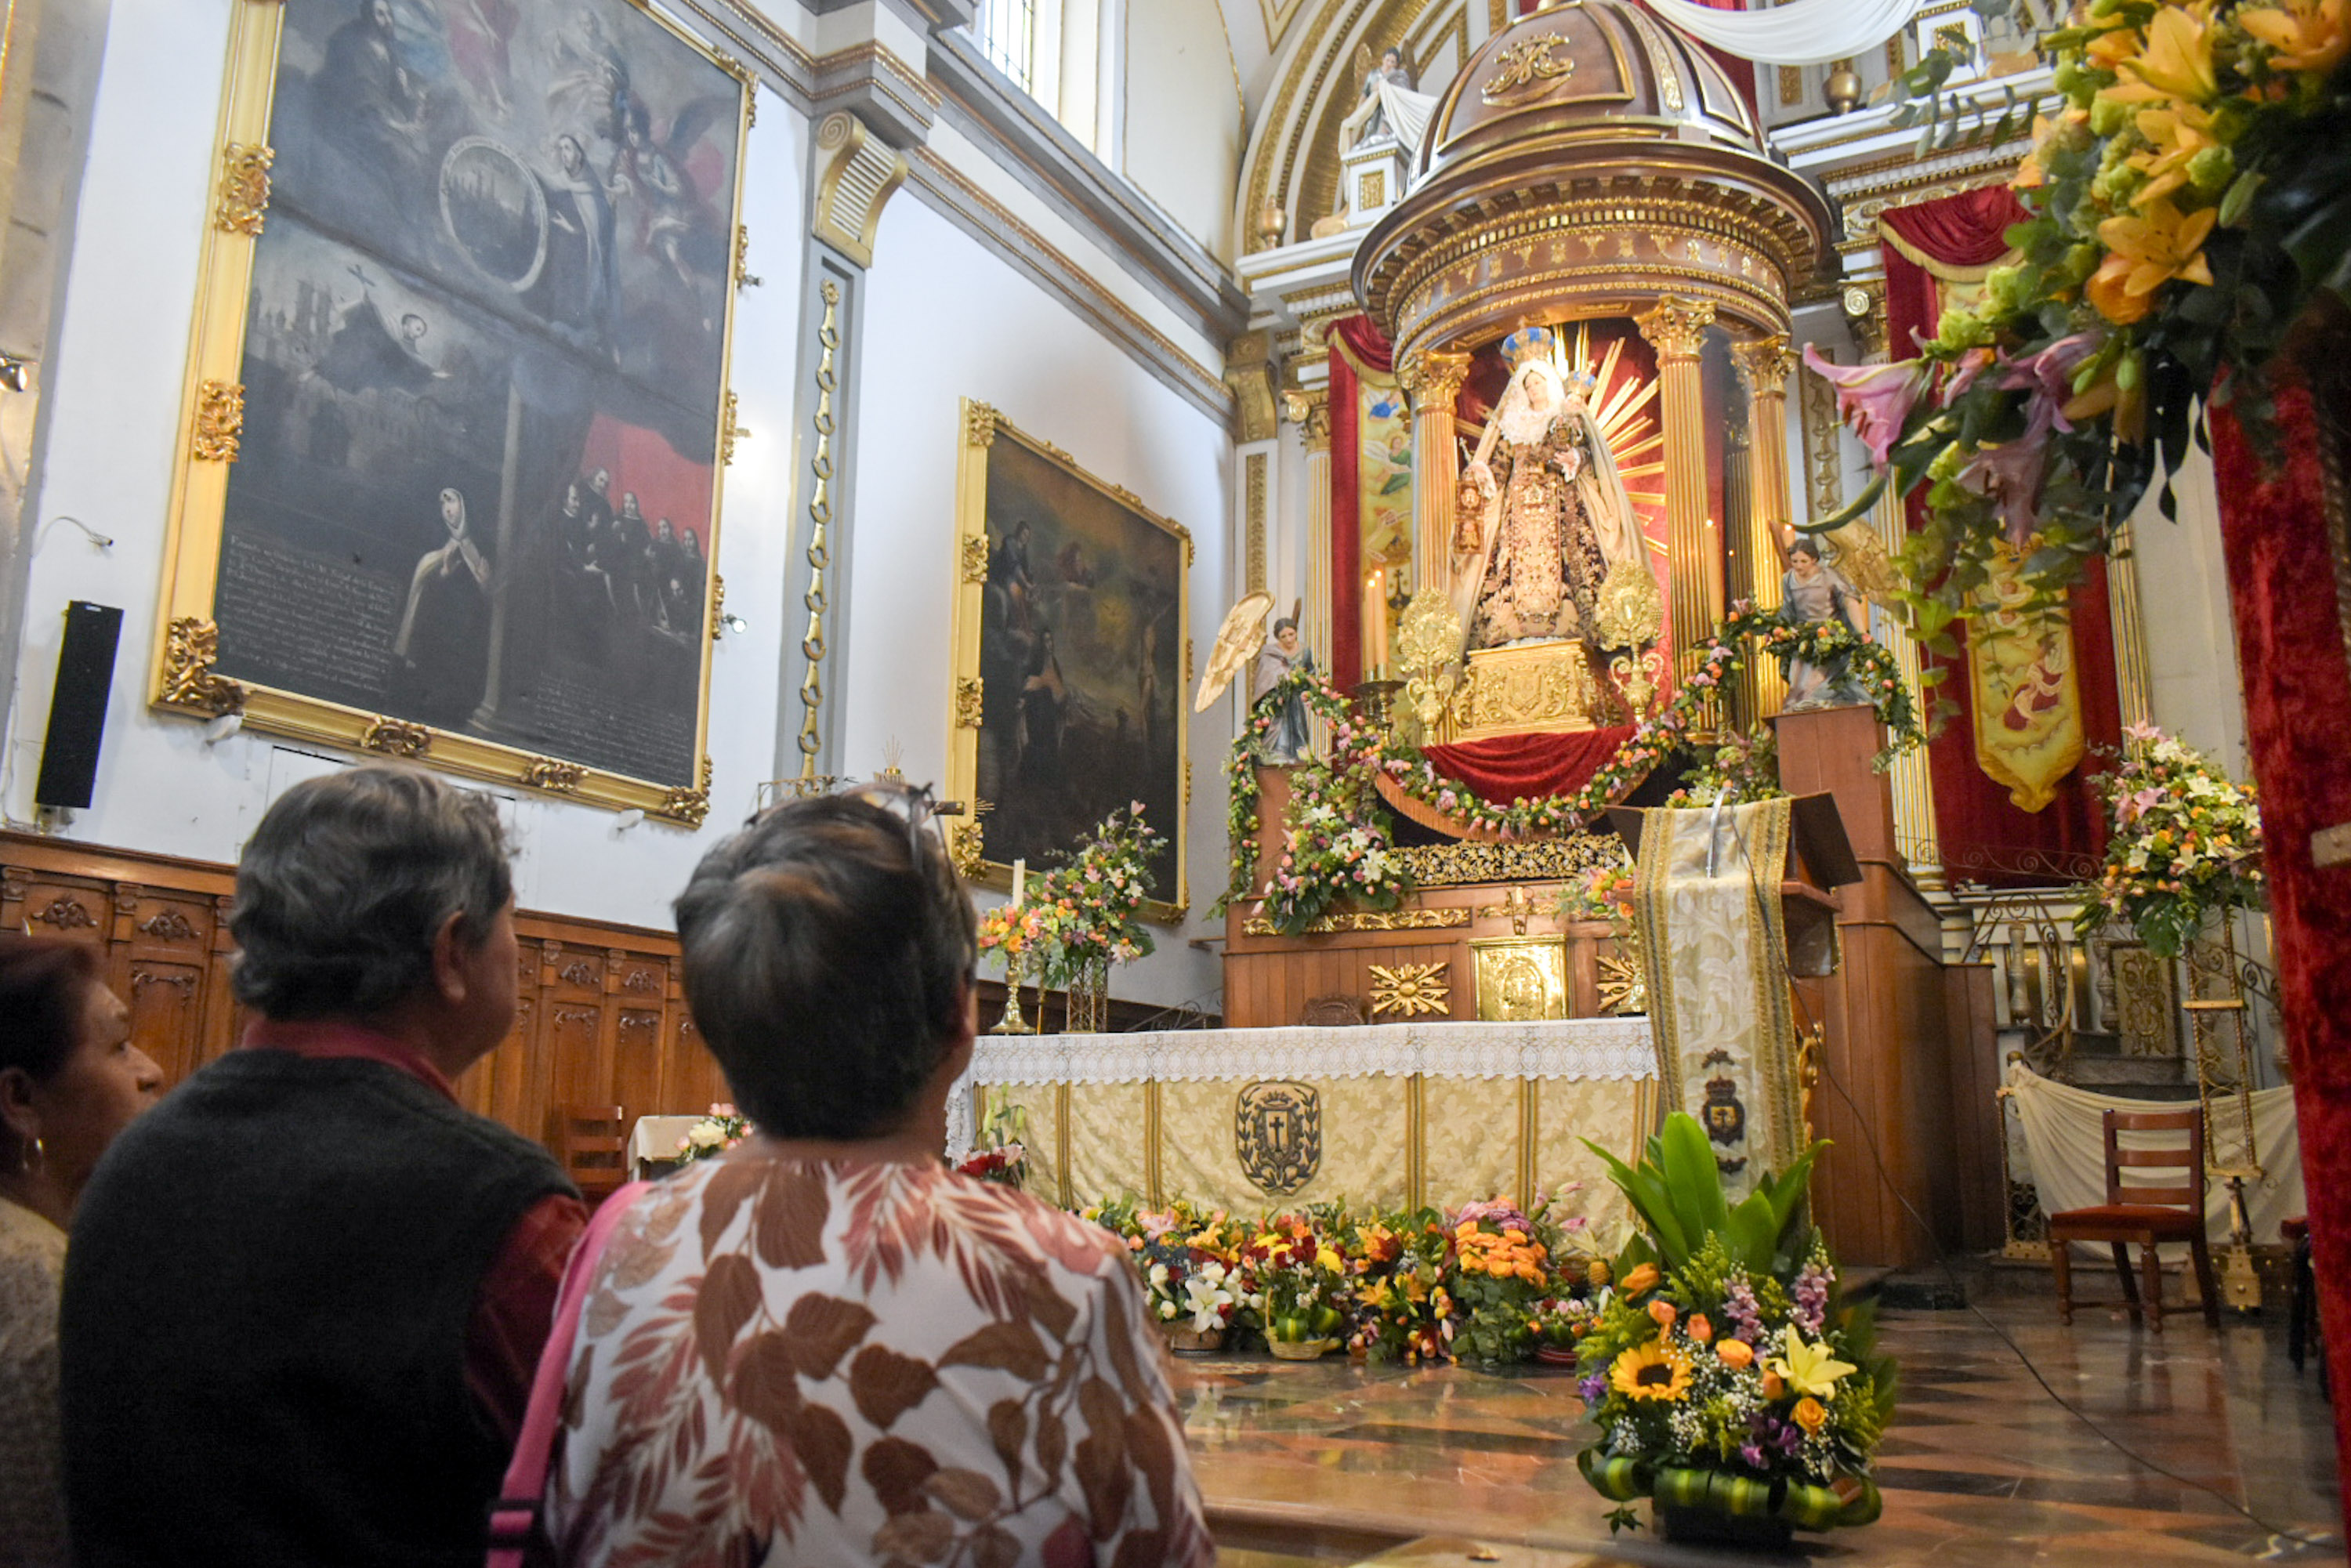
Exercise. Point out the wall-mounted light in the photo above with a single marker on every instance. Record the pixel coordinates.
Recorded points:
(735, 623)
(219, 729)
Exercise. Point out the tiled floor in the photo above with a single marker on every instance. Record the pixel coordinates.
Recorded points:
(1331, 1461)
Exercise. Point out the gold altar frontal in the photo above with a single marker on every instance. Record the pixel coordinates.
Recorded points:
(1258, 1119)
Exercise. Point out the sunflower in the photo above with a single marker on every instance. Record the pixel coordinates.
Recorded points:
(1652, 1370)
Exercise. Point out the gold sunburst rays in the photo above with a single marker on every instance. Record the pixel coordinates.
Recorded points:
(1621, 409)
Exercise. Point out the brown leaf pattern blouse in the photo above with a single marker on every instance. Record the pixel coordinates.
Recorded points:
(867, 1362)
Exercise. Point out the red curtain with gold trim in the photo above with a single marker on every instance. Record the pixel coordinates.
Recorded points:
(1933, 250)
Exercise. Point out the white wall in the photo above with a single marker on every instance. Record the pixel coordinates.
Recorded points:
(1182, 133)
(115, 394)
(944, 319)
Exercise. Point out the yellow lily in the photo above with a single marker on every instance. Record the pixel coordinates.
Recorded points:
(1809, 1368)
(2158, 246)
(2174, 137)
(2177, 62)
(2110, 48)
(2308, 35)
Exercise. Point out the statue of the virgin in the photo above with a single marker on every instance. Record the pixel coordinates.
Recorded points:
(1545, 543)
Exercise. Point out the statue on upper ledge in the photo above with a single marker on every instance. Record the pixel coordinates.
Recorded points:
(1389, 105)
(1546, 545)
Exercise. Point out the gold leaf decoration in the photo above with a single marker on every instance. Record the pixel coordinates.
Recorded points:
(243, 188)
(970, 693)
(395, 738)
(220, 420)
(190, 643)
(547, 773)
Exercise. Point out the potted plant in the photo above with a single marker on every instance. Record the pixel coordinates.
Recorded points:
(1729, 1383)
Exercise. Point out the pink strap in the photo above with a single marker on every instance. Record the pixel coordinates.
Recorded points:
(515, 1517)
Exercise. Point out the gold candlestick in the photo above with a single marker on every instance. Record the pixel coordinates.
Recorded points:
(1012, 1023)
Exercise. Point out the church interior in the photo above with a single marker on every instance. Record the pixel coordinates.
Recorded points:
(1503, 606)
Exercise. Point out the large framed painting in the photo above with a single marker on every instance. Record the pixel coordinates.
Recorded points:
(449, 477)
(1071, 660)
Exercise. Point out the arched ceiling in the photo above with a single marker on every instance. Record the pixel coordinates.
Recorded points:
(1310, 85)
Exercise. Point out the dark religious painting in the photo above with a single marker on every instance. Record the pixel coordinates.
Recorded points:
(1080, 619)
(484, 362)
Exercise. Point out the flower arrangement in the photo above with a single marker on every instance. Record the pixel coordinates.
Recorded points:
(1336, 844)
(1241, 820)
(1414, 1286)
(1007, 1164)
(2190, 199)
(1747, 766)
(1604, 894)
(715, 1134)
(1089, 909)
(2184, 843)
(1725, 1376)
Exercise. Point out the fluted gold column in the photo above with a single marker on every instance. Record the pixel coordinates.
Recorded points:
(1312, 412)
(1433, 381)
(2134, 684)
(1764, 365)
(1678, 329)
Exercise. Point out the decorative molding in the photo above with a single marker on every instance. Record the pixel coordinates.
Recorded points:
(577, 972)
(168, 925)
(1253, 484)
(857, 171)
(1433, 377)
(243, 188)
(818, 554)
(395, 738)
(1368, 920)
(743, 279)
(962, 201)
(1250, 372)
(65, 913)
(220, 421)
(641, 980)
(1764, 364)
(979, 423)
(730, 430)
(1527, 63)
(966, 850)
(191, 644)
(688, 807)
(1823, 452)
(974, 547)
(717, 606)
(1467, 862)
(142, 978)
(970, 693)
(558, 777)
(1408, 990)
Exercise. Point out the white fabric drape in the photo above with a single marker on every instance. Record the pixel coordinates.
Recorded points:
(2065, 1136)
(1800, 33)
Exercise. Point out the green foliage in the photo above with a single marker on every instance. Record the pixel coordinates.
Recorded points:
(1676, 1189)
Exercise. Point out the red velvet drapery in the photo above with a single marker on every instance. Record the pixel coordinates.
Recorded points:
(1979, 827)
(1375, 352)
(1508, 767)
(2297, 685)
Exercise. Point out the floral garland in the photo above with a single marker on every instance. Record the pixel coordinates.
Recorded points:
(2188, 202)
(1336, 844)
(715, 1134)
(2185, 844)
(1241, 820)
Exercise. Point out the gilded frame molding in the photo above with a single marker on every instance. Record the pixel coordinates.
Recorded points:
(980, 428)
(180, 678)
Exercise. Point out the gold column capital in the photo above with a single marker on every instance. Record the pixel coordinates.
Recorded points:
(1311, 411)
(1433, 376)
(1764, 364)
(1677, 327)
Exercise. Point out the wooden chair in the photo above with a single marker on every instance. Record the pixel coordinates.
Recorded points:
(2168, 1211)
(592, 1144)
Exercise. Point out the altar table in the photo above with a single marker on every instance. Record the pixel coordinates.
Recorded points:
(1391, 1115)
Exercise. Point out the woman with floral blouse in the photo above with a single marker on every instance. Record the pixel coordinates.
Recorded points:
(823, 1346)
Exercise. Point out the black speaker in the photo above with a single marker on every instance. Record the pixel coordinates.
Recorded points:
(78, 709)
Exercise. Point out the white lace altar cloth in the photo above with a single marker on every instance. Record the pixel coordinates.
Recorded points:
(1616, 1048)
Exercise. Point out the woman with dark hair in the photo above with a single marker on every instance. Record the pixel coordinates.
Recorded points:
(824, 1345)
(70, 1080)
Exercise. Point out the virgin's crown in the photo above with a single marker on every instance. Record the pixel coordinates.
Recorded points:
(1528, 343)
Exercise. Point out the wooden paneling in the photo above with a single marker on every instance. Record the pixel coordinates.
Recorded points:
(600, 1016)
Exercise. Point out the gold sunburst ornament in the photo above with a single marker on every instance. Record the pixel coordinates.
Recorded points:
(1408, 990)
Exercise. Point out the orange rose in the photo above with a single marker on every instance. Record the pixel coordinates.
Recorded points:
(1698, 1329)
(1662, 1313)
(1641, 1281)
(1810, 1414)
(1735, 1353)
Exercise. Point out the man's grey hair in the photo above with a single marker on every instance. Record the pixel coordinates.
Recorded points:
(346, 881)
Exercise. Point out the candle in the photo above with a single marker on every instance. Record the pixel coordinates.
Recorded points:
(1019, 882)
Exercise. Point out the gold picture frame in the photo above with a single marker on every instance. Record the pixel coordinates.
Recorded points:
(1103, 607)
(518, 183)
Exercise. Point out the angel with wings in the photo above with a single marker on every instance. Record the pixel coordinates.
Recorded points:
(1388, 102)
(1241, 640)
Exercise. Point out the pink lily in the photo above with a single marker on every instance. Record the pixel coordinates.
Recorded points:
(2050, 375)
(1876, 398)
(1962, 376)
(2009, 474)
